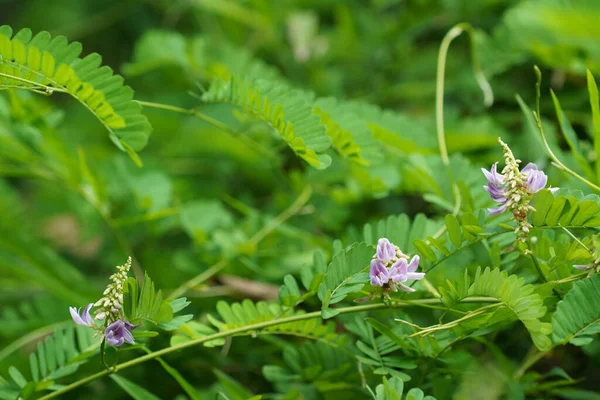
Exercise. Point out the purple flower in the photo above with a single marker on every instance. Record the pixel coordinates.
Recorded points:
(85, 319)
(385, 250)
(378, 273)
(402, 271)
(119, 332)
(533, 181)
(536, 180)
(494, 188)
(390, 268)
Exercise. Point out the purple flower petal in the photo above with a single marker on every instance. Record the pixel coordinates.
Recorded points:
(536, 181)
(119, 332)
(85, 319)
(398, 271)
(415, 276)
(378, 273)
(496, 211)
(414, 263)
(553, 190)
(385, 250)
(530, 167)
(85, 315)
(405, 288)
(497, 193)
(493, 177)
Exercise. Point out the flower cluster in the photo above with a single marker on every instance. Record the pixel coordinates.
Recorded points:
(513, 188)
(118, 330)
(390, 267)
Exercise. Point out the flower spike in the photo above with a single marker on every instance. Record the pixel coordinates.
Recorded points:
(512, 189)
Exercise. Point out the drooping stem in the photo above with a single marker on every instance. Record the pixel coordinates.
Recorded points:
(243, 330)
(488, 95)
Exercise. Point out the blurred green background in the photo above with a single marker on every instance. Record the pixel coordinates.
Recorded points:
(204, 193)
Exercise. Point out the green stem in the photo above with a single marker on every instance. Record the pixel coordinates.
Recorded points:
(292, 210)
(538, 268)
(232, 332)
(193, 112)
(452, 34)
(571, 278)
(532, 357)
(198, 279)
(47, 89)
(210, 120)
(541, 274)
(289, 212)
(556, 162)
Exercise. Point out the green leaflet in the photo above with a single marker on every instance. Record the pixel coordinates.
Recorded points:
(233, 389)
(59, 355)
(327, 367)
(393, 388)
(347, 273)
(288, 111)
(42, 63)
(237, 315)
(135, 391)
(510, 290)
(349, 133)
(400, 230)
(311, 278)
(145, 303)
(577, 316)
(569, 209)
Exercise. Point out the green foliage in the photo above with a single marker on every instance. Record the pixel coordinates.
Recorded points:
(247, 314)
(577, 316)
(287, 111)
(145, 303)
(520, 299)
(223, 213)
(38, 62)
(570, 209)
(58, 356)
(135, 391)
(393, 389)
(346, 274)
(317, 365)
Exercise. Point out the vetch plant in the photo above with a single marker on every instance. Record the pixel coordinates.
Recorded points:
(327, 247)
(116, 329)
